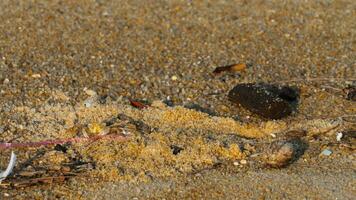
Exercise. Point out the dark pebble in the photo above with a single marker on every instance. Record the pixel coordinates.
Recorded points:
(168, 103)
(351, 93)
(269, 101)
(62, 148)
(102, 99)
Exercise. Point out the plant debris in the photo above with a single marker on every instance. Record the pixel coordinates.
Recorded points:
(62, 141)
(138, 104)
(26, 179)
(231, 68)
(269, 101)
(350, 93)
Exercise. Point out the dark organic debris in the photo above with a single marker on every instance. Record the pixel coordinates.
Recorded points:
(62, 148)
(102, 99)
(62, 141)
(38, 154)
(168, 102)
(269, 101)
(176, 149)
(231, 68)
(350, 134)
(44, 175)
(283, 152)
(350, 93)
(348, 139)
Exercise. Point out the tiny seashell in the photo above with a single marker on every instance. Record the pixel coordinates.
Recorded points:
(281, 153)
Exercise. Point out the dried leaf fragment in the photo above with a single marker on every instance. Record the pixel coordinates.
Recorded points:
(137, 104)
(232, 68)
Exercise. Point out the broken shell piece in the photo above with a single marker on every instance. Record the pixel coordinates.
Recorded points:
(282, 153)
(9, 168)
(339, 136)
(90, 92)
(326, 152)
(236, 163)
(89, 102)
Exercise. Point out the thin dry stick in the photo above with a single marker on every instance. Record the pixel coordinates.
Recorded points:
(330, 79)
(61, 141)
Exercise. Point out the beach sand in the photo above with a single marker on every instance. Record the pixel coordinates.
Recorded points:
(68, 69)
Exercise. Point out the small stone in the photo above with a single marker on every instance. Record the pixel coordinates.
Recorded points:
(269, 101)
(339, 136)
(243, 162)
(90, 92)
(92, 100)
(6, 81)
(236, 163)
(326, 152)
(36, 75)
(174, 78)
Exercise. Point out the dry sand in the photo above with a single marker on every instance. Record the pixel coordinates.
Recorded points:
(55, 55)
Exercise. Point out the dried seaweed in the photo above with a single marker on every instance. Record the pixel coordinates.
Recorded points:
(62, 141)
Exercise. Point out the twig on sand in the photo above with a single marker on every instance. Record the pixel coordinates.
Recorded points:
(61, 141)
(323, 79)
(33, 181)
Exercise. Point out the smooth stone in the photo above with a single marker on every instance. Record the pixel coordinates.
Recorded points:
(266, 100)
